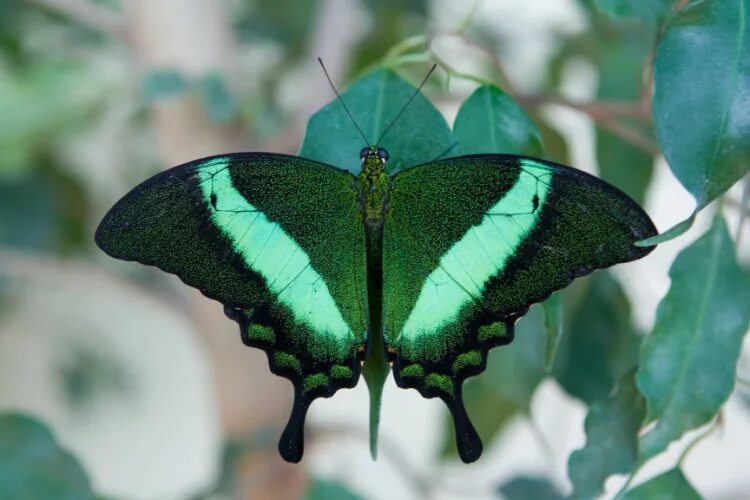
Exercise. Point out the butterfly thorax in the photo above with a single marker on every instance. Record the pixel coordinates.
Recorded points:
(373, 181)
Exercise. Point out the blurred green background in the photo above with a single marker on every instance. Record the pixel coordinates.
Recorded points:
(124, 383)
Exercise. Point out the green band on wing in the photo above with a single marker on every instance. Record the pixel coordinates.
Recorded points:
(270, 252)
(480, 254)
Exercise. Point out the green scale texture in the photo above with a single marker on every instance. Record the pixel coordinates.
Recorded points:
(467, 245)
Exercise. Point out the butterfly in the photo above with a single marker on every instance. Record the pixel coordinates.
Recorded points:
(336, 276)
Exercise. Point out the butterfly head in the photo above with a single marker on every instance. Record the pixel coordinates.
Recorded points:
(373, 154)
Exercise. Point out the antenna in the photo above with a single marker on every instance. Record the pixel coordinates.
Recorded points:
(407, 103)
(367, 143)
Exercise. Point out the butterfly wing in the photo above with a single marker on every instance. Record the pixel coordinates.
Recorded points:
(470, 243)
(279, 241)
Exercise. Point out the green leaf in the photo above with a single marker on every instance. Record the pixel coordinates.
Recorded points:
(162, 84)
(702, 80)
(324, 489)
(490, 121)
(677, 230)
(666, 486)
(611, 439)
(600, 344)
(32, 464)
(505, 389)
(219, 103)
(419, 135)
(688, 362)
(553, 325)
(621, 60)
(652, 12)
(525, 488)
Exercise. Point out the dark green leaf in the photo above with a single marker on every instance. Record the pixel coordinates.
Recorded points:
(702, 80)
(218, 101)
(611, 439)
(490, 121)
(600, 344)
(32, 464)
(419, 135)
(688, 362)
(667, 486)
(162, 84)
(526, 488)
(505, 389)
(553, 324)
(324, 489)
(621, 63)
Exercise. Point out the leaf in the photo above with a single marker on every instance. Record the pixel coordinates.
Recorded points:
(611, 439)
(621, 60)
(33, 465)
(507, 386)
(553, 325)
(324, 489)
(219, 103)
(525, 488)
(666, 486)
(162, 84)
(419, 135)
(677, 230)
(652, 12)
(688, 362)
(490, 121)
(601, 343)
(702, 80)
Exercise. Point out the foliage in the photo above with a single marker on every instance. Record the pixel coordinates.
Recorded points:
(33, 465)
(673, 80)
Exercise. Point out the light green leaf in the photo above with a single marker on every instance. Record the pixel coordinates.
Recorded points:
(600, 344)
(525, 488)
(667, 486)
(162, 84)
(324, 489)
(688, 362)
(219, 103)
(702, 80)
(32, 464)
(677, 230)
(553, 325)
(611, 439)
(652, 12)
(419, 135)
(490, 121)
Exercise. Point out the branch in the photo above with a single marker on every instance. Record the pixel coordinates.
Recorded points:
(86, 13)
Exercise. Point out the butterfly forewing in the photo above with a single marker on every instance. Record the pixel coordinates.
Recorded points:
(279, 241)
(470, 242)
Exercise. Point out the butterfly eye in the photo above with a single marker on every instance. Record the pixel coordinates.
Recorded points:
(383, 155)
(363, 153)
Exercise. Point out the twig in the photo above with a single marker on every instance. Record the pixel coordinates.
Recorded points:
(597, 110)
(88, 14)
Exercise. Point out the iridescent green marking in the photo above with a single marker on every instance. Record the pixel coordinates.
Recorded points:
(269, 251)
(259, 333)
(314, 381)
(495, 331)
(481, 253)
(467, 360)
(412, 371)
(341, 372)
(286, 360)
(442, 383)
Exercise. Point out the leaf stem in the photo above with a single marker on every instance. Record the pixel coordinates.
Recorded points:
(713, 427)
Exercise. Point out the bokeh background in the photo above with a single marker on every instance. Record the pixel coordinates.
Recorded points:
(147, 383)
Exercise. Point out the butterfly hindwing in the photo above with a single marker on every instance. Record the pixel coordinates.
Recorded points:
(470, 243)
(279, 241)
